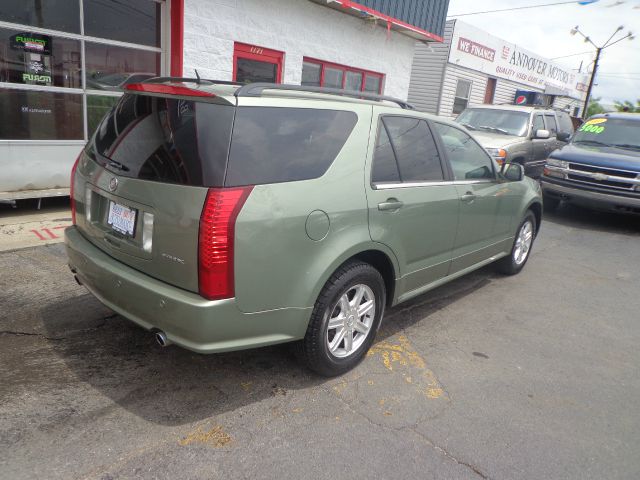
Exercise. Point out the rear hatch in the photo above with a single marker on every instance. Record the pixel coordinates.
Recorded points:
(143, 179)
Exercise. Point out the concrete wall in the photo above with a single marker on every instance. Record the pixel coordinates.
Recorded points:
(299, 28)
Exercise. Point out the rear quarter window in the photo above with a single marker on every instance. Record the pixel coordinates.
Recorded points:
(273, 145)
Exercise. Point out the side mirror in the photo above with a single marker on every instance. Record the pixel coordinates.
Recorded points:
(563, 136)
(543, 134)
(514, 172)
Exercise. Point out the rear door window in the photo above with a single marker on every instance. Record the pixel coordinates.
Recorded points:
(273, 145)
(415, 149)
(165, 140)
(385, 167)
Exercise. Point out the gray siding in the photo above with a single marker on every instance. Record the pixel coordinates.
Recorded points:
(429, 15)
(564, 102)
(427, 71)
(506, 91)
(452, 74)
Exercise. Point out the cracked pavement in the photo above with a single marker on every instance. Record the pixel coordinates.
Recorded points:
(533, 376)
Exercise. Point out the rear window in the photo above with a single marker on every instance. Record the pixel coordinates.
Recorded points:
(165, 140)
(272, 145)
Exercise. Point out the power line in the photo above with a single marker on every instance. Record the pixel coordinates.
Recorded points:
(572, 55)
(510, 9)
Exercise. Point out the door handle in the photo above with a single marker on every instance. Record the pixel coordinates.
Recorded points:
(392, 204)
(468, 197)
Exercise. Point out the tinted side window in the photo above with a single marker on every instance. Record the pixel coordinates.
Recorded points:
(272, 145)
(538, 124)
(385, 167)
(468, 160)
(550, 120)
(415, 149)
(565, 124)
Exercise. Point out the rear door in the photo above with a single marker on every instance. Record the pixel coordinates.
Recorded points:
(143, 180)
(485, 203)
(413, 209)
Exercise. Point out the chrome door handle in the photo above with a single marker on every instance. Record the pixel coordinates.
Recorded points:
(468, 197)
(391, 204)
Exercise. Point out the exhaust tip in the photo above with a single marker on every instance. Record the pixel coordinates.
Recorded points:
(162, 339)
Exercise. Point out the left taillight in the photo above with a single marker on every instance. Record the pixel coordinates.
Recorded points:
(216, 241)
(72, 189)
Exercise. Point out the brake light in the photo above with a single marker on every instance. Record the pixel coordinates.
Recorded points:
(71, 189)
(168, 89)
(216, 241)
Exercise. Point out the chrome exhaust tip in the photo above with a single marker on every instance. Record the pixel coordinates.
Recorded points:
(162, 339)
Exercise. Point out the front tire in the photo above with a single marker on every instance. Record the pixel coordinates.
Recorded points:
(345, 320)
(525, 235)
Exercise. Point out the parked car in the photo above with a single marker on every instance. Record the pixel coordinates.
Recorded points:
(600, 168)
(224, 218)
(519, 134)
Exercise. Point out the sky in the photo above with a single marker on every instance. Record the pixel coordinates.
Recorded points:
(545, 31)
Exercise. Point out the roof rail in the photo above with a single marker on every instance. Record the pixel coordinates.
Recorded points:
(256, 89)
(205, 81)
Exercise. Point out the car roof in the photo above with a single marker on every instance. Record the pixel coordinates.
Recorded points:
(620, 115)
(516, 108)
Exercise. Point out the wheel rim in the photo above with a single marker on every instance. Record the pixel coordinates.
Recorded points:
(523, 243)
(350, 321)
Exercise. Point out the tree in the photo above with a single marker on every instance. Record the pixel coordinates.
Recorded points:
(627, 106)
(595, 107)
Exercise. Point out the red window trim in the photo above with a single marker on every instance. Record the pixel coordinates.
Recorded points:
(261, 54)
(365, 73)
(177, 37)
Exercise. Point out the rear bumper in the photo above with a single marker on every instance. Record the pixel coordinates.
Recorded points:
(187, 319)
(590, 199)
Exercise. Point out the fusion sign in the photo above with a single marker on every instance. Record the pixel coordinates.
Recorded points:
(478, 50)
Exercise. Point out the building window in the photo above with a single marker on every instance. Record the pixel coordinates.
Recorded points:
(60, 70)
(256, 64)
(318, 73)
(461, 100)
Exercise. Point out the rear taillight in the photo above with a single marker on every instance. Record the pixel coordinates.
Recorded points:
(71, 189)
(216, 239)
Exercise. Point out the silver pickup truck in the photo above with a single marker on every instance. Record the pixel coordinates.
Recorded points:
(518, 134)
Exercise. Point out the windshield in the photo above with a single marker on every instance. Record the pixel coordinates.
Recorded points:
(506, 122)
(610, 132)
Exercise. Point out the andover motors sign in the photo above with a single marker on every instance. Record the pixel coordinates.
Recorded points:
(476, 49)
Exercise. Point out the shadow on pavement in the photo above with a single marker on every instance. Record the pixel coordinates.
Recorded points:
(173, 386)
(583, 218)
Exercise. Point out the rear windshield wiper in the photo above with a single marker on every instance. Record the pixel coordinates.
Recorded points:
(494, 129)
(116, 165)
(469, 126)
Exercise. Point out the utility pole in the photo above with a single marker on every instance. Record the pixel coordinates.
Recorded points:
(599, 50)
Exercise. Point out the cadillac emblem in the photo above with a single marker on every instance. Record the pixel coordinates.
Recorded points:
(113, 184)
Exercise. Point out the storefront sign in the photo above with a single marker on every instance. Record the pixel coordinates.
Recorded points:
(476, 49)
(31, 42)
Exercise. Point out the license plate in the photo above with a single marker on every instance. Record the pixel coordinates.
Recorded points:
(122, 219)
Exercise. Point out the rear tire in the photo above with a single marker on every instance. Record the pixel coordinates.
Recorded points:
(345, 320)
(521, 249)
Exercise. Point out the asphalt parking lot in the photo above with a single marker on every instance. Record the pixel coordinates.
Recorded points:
(533, 376)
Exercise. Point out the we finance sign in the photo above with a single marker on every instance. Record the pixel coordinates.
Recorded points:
(478, 50)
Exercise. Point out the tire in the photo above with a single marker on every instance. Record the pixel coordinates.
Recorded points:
(517, 259)
(322, 349)
(550, 203)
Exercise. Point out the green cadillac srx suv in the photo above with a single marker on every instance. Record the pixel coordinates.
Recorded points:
(223, 217)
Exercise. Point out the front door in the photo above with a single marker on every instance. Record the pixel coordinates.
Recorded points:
(256, 64)
(413, 207)
(485, 206)
(534, 166)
